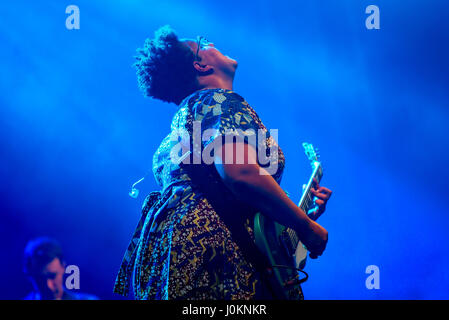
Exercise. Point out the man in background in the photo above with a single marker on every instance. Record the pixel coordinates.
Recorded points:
(45, 267)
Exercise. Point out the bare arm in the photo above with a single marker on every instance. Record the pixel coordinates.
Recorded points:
(264, 193)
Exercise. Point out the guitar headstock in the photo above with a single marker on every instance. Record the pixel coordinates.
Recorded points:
(312, 154)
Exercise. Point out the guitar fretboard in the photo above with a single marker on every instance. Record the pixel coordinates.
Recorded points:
(306, 203)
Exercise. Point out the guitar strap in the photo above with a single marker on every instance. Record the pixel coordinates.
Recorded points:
(234, 215)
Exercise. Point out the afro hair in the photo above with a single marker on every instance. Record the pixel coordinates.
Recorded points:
(164, 67)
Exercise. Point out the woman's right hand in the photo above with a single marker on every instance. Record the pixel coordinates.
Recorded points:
(315, 240)
(254, 186)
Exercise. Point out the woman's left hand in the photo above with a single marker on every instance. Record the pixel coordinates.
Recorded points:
(322, 195)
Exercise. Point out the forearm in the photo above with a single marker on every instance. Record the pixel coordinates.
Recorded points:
(249, 184)
(264, 193)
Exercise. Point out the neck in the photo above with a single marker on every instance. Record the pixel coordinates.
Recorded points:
(217, 83)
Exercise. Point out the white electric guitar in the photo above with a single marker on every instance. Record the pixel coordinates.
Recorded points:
(285, 252)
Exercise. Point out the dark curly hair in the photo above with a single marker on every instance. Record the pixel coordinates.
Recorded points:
(38, 253)
(164, 67)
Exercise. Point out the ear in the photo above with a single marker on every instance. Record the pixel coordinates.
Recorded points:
(202, 68)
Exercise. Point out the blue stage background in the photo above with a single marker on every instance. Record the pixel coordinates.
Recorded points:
(76, 132)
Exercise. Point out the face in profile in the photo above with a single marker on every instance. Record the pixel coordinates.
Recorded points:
(50, 282)
(207, 54)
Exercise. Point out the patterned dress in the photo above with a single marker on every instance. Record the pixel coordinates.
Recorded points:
(181, 248)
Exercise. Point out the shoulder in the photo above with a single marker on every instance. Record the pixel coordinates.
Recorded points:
(220, 109)
(70, 295)
(211, 97)
(217, 94)
(32, 296)
(217, 103)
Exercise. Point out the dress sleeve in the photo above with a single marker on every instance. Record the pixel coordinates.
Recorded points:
(224, 114)
(221, 117)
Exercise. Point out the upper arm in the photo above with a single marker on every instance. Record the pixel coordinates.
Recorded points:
(235, 160)
(223, 116)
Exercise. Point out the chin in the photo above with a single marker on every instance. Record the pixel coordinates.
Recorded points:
(231, 66)
(234, 63)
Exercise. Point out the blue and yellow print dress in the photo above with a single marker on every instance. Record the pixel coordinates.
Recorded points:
(181, 248)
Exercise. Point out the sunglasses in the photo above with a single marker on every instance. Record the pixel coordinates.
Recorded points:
(201, 42)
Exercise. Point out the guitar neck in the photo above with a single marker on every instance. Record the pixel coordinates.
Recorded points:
(291, 237)
(306, 201)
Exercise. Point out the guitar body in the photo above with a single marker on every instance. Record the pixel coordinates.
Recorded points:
(270, 238)
(281, 245)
